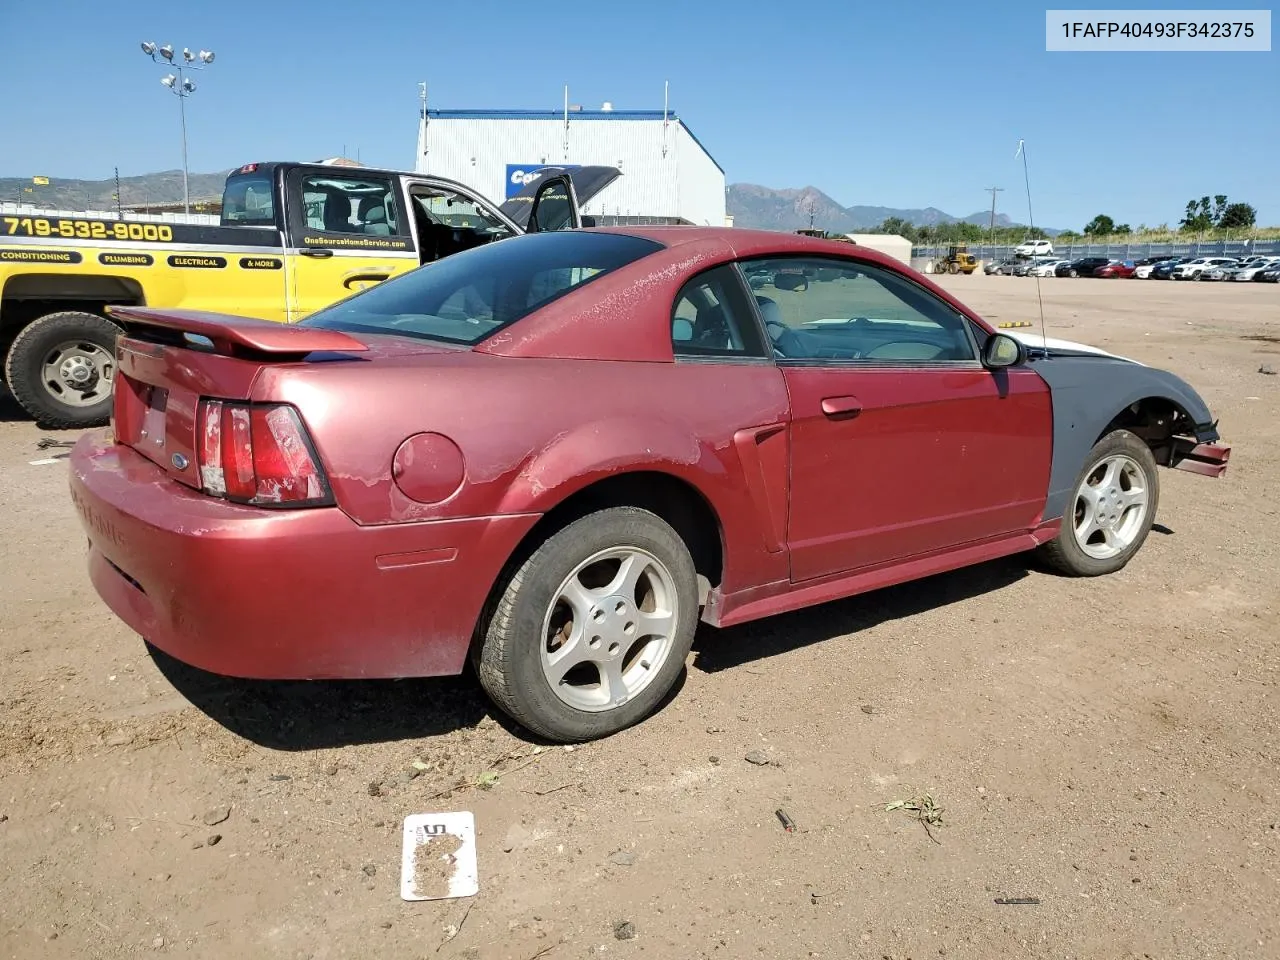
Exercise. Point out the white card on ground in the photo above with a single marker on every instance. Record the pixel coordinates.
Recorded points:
(438, 857)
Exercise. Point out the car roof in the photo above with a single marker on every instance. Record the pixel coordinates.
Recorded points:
(564, 329)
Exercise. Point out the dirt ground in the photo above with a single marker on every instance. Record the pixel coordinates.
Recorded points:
(1106, 746)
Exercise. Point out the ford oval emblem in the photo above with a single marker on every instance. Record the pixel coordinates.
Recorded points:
(179, 461)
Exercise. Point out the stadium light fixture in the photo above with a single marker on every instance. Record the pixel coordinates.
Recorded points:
(181, 87)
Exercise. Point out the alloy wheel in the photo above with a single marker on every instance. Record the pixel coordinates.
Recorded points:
(1110, 507)
(609, 629)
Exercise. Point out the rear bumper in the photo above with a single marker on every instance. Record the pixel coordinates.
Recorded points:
(283, 594)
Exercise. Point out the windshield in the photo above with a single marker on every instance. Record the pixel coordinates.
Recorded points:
(468, 296)
(248, 201)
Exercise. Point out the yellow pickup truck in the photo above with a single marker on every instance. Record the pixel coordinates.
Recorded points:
(292, 238)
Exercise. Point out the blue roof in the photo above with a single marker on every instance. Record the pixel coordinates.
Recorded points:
(434, 113)
(550, 114)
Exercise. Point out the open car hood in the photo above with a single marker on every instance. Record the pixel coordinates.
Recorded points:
(587, 182)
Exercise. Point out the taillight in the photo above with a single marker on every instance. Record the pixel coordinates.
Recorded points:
(259, 455)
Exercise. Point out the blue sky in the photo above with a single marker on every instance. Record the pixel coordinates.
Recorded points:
(899, 104)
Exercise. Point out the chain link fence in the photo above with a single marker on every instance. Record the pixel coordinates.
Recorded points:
(1116, 251)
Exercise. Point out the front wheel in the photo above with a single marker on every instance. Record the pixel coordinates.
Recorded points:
(592, 630)
(60, 369)
(1073, 273)
(1111, 511)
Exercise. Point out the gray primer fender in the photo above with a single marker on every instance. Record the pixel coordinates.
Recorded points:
(1088, 392)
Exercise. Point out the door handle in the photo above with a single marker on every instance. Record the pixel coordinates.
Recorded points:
(351, 280)
(318, 252)
(841, 408)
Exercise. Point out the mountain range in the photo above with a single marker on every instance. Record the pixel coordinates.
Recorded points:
(764, 208)
(135, 192)
(751, 205)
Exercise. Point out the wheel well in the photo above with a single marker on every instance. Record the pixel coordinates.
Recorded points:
(1156, 421)
(28, 297)
(675, 501)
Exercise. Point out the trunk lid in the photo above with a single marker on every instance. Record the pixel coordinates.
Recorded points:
(168, 360)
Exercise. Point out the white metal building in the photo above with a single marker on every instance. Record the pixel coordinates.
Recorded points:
(667, 175)
(887, 243)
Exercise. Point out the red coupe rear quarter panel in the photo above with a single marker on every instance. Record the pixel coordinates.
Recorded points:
(532, 432)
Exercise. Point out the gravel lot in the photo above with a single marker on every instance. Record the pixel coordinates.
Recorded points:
(1107, 746)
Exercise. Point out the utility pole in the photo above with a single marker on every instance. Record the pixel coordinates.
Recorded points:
(119, 207)
(993, 191)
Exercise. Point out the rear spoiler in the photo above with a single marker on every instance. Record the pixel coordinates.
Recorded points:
(231, 334)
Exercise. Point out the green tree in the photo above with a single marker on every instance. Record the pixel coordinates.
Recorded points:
(1123, 228)
(1219, 207)
(903, 228)
(1237, 216)
(1198, 218)
(1100, 226)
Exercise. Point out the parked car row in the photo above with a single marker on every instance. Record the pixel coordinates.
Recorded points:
(1258, 269)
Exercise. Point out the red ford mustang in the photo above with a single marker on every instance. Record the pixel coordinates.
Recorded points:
(1122, 269)
(557, 453)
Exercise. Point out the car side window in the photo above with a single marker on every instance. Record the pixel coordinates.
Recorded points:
(352, 205)
(711, 317)
(820, 308)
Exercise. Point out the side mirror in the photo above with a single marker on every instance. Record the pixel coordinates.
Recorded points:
(1002, 351)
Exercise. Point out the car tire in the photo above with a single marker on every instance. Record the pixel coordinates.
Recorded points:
(1196, 275)
(1073, 273)
(1076, 551)
(535, 626)
(48, 354)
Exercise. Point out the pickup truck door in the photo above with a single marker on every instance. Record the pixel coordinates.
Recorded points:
(553, 197)
(345, 230)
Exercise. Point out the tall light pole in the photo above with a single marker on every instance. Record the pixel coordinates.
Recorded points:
(182, 88)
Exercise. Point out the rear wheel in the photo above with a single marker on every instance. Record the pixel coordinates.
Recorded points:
(1111, 510)
(60, 369)
(592, 630)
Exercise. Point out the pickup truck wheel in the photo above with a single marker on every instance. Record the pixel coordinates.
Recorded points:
(60, 369)
(1111, 512)
(591, 632)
